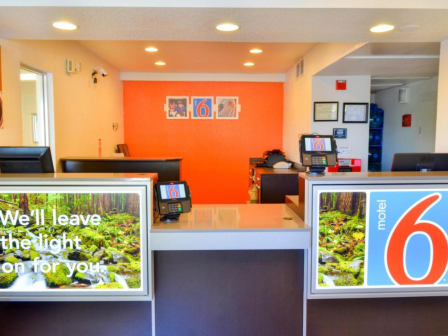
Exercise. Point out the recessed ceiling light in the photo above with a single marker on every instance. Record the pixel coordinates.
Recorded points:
(410, 28)
(227, 27)
(381, 28)
(256, 51)
(160, 63)
(151, 49)
(249, 64)
(65, 25)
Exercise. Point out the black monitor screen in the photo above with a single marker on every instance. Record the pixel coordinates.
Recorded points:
(420, 162)
(26, 160)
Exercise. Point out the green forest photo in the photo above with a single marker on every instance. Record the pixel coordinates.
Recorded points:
(104, 231)
(342, 228)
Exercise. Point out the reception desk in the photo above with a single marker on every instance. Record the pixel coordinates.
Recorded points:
(379, 253)
(357, 253)
(83, 245)
(233, 269)
(167, 169)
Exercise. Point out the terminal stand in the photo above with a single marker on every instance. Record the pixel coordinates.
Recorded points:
(315, 171)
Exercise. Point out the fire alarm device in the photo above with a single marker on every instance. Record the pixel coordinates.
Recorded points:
(341, 84)
(407, 120)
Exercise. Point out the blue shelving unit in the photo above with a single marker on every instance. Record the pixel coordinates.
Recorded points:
(375, 137)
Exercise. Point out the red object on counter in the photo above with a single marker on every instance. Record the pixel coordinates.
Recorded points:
(346, 165)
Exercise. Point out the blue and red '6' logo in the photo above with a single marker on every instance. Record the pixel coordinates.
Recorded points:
(407, 226)
(202, 108)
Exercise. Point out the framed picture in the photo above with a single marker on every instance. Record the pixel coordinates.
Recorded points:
(326, 111)
(355, 113)
(228, 107)
(202, 108)
(177, 107)
(340, 133)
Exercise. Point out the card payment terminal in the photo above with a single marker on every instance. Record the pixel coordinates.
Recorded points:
(317, 152)
(172, 199)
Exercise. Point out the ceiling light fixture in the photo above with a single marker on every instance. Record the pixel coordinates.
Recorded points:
(249, 64)
(151, 49)
(410, 28)
(65, 25)
(227, 27)
(381, 28)
(256, 51)
(160, 63)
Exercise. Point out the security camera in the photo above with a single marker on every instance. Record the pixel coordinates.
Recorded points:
(101, 70)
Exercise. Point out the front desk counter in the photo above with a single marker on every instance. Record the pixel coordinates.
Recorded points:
(368, 258)
(110, 214)
(379, 253)
(227, 270)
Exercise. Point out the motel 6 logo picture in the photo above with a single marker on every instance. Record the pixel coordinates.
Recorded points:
(407, 241)
(173, 191)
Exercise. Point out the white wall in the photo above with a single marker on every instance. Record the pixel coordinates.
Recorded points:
(297, 93)
(422, 105)
(83, 112)
(442, 101)
(358, 91)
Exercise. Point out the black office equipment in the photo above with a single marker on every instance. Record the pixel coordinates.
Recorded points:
(26, 160)
(270, 158)
(317, 152)
(172, 199)
(420, 162)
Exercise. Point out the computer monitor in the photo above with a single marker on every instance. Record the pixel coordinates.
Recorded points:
(25, 160)
(420, 162)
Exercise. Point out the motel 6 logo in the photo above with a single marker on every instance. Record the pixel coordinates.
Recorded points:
(407, 226)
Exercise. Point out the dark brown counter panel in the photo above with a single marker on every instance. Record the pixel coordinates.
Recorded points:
(274, 184)
(168, 169)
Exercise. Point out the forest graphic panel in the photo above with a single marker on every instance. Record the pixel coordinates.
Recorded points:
(342, 229)
(70, 241)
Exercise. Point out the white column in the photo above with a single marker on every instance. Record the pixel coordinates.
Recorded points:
(442, 101)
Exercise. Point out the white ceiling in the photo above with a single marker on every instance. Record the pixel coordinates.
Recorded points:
(198, 57)
(232, 3)
(389, 64)
(198, 24)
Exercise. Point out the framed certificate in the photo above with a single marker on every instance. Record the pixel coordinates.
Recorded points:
(355, 113)
(326, 111)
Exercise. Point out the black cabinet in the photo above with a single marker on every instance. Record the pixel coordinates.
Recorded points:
(274, 184)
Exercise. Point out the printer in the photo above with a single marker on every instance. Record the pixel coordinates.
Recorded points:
(270, 158)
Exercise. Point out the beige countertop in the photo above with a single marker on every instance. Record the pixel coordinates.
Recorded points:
(78, 177)
(277, 171)
(235, 217)
(377, 177)
(232, 227)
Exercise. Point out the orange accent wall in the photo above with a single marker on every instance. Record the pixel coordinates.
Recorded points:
(215, 152)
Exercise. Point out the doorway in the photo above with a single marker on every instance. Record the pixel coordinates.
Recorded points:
(35, 116)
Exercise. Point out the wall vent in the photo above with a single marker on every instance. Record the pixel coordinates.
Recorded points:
(300, 68)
